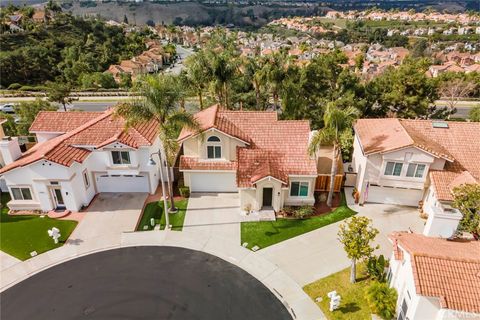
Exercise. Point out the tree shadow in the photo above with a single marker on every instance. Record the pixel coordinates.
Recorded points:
(349, 308)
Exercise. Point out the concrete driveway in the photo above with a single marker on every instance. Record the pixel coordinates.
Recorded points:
(109, 215)
(214, 214)
(317, 254)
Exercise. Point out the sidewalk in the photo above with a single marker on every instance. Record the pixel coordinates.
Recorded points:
(7, 260)
(284, 287)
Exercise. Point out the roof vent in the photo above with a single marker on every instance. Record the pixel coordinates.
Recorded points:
(440, 124)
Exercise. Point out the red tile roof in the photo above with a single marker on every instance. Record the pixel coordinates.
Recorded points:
(191, 163)
(61, 122)
(276, 148)
(449, 270)
(459, 144)
(96, 133)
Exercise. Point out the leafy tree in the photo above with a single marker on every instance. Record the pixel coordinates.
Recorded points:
(356, 234)
(273, 74)
(125, 19)
(474, 114)
(376, 268)
(419, 48)
(467, 200)
(60, 93)
(98, 80)
(9, 127)
(405, 91)
(125, 80)
(159, 97)
(198, 74)
(27, 112)
(224, 70)
(338, 123)
(381, 299)
(454, 90)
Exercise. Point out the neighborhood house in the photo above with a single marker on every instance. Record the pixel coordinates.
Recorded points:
(79, 154)
(417, 163)
(253, 153)
(435, 278)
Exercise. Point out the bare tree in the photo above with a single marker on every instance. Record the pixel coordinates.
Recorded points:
(454, 90)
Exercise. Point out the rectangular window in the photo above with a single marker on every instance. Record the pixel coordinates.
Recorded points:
(299, 189)
(214, 152)
(403, 310)
(21, 193)
(416, 170)
(393, 169)
(121, 157)
(86, 179)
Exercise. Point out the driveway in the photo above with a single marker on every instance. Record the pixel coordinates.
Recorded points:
(110, 214)
(214, 214)
(317, 254)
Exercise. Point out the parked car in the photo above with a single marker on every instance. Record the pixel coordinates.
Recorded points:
(7, 108)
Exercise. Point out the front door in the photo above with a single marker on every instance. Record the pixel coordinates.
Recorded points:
(267, 197)
(58, 198)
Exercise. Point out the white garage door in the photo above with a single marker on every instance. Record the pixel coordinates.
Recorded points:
(406, 197)
(122, 183)
(213, 182)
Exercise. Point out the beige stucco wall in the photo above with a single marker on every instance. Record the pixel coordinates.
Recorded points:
(301, 201)
(197, 145)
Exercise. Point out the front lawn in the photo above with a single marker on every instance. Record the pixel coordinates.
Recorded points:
(155, 210)
(20, 235)
(266, 233)
(353, 305)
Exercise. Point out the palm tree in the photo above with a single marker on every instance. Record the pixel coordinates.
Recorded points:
(224, 69)
(198, 74)
(273, 74)
(337, 128)
(159, 97)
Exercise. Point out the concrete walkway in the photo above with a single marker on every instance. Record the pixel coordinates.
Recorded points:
(214, 214)
(7, 260)
(318, 253)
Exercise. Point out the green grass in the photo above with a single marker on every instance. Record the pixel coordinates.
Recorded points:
(155, 210)
(353, 305)
(20, 235)
(267, 233)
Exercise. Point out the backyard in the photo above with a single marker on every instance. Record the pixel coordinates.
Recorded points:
(353, 305)
(267, 233)
(22, 234)
(155, 210)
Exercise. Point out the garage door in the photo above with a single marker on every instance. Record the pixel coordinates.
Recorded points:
(407, 197)
(213, 182)
(122, 183)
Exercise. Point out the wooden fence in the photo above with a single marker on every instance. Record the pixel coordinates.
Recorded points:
(323, 183)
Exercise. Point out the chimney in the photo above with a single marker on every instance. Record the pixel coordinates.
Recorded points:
(10, 149)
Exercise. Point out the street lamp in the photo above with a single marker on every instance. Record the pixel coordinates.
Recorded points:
(152, 162)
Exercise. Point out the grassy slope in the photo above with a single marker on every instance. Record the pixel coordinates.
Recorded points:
(353, 305)
(20, 235)
(267, 233)
(155, 210)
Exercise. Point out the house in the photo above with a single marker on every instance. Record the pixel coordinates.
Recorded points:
(79, 154)
(253, 153)
(435, 278)
(417, 163)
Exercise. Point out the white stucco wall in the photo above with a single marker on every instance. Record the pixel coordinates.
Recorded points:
(440, 223)
(44, 136)
(197, 145)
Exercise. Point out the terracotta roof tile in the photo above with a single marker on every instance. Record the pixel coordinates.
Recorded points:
(449, 270)
(61, 122)
(95, 133)
(192, 163)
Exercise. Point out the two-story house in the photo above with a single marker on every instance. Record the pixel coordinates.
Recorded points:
(417, 162)
(253, 153)
(79, 154)
(435, 278)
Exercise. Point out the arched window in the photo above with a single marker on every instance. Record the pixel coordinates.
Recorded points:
(214, 148)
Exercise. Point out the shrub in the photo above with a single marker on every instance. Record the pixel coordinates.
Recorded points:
(303, 212)
(376, 268)
(14, 86)
(289, 211)
(184, 191)
(381, 299)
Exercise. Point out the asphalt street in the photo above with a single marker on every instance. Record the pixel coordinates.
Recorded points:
(142, 283)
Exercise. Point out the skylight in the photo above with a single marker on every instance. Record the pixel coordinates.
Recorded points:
(440, 124)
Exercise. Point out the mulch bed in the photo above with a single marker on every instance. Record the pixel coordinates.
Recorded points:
(321, 206)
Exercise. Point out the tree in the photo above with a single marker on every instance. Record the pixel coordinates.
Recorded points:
(454, 90)
(356, 235)
(159, 97)
(224, 70)
(381, 299)
(474, 114)
(125, 19)
(60, 93)
(338, 124)
(467, 200)
(198, 74)
(27, 112)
